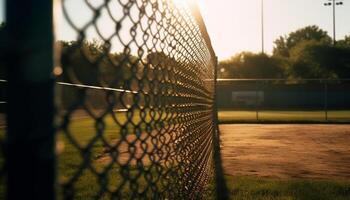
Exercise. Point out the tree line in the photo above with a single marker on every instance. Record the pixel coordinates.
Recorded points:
(305, 53)
(93, 63)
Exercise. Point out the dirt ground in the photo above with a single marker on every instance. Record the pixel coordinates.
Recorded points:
(287, 151)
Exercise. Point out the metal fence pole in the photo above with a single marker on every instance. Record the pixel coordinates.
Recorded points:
(30, 159)
(256, 100)
(326, 100)
(221, 187)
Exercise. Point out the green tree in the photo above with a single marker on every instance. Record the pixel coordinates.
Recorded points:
(283, 45)
(345, 43)
(315, 59)
(280, 48)
(250, 65)
(92, 63)
(79, 62)
(116, 68)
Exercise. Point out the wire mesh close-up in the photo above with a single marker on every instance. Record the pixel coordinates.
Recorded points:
(127, 99)
(135, 97)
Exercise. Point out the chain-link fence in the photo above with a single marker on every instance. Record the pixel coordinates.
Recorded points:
(136, 102)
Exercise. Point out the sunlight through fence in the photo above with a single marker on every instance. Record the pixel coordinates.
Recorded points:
(153, 60)
(135, 113)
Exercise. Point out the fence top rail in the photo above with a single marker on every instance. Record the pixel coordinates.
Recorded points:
(89, 87)
(97, 87)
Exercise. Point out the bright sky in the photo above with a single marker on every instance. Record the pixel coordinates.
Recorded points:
(235, 25)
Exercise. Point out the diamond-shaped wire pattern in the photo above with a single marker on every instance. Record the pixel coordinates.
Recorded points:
(135, 105)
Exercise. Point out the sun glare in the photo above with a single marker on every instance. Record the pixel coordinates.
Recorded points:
(180, 2)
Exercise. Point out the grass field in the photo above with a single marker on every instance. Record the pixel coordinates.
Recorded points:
(240, 186)
(71, 159)
(257, 188)
(276, 116)
(72, 156)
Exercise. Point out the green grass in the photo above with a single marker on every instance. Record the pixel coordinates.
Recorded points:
(264, 116)
(255, 188)
(87, 185)
(70, 158)
(245, 188)
(74, 156)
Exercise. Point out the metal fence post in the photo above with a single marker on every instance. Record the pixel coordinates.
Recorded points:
(326, 99)
(256, 100)
(30, 159)
(221, 187)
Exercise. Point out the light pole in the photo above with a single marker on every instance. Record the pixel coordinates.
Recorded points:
(334, 3)
(262, 26)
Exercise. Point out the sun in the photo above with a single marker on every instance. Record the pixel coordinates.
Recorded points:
(180, 2)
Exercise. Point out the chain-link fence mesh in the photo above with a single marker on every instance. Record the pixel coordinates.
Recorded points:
(135, 102)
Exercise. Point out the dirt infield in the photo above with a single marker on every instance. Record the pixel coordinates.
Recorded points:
(287, 151)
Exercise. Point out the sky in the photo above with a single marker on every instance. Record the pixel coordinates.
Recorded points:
(235, 25)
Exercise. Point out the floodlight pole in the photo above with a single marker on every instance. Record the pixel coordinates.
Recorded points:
(334, 4)
(262, 27)
(334, 39)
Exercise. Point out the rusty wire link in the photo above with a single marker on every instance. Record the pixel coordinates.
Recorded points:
(135, 103)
